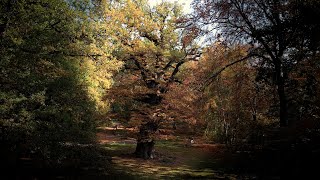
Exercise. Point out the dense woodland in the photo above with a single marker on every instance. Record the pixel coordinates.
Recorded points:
(241, 74)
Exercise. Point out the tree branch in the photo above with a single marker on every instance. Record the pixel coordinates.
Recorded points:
(151, 38)
(210, 79)
(142, 70)
(175, 71)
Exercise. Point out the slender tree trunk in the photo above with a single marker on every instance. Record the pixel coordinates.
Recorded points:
(283, 105)
(281, 94)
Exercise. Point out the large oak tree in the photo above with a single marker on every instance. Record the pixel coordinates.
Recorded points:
(148, 41)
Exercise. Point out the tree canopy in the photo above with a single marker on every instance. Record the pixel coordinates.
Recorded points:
(55, 69)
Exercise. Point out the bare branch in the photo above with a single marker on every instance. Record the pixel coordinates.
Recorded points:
(211, 78)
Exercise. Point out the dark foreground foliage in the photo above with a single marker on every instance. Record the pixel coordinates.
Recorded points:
(67, 162)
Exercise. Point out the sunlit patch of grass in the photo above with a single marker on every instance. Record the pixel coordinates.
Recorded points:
(116, 145)
(168, 143)
(117, 148)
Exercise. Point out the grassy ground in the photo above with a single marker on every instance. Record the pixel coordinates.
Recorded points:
(173, 160)
(112, 159)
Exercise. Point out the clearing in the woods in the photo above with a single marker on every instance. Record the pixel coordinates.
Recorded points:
(174, 158)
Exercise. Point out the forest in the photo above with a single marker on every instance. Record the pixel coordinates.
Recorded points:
(142, 89)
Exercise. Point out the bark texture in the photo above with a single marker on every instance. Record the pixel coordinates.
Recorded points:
(146, 141)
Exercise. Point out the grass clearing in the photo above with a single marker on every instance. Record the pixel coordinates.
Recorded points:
(173, 160)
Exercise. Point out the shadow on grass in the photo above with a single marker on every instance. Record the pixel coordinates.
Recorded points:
(172, 161)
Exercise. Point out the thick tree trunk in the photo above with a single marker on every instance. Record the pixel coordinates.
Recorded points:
(145, 141)
(145, 149)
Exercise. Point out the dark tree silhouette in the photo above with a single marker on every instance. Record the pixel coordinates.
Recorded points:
(272, 30)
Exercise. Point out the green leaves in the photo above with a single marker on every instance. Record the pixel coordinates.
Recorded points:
(54, 70)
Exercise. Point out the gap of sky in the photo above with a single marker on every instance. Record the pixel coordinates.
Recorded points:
(185, 4)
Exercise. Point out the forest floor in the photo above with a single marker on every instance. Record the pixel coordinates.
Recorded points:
(174, 158)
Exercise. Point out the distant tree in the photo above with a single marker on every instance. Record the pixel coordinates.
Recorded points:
(272, 28)
(233, 105)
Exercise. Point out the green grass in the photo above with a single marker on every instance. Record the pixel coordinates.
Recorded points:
(173, 161)
(116, 149)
